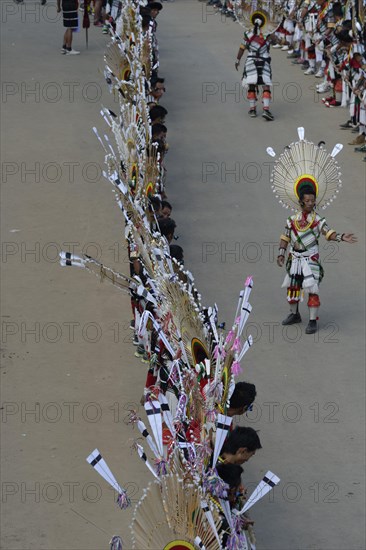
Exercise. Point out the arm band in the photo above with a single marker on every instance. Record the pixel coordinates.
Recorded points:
(330, 233)
(281, 252)
(285, 238)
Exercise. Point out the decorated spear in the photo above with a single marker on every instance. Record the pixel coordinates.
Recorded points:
(86, 20)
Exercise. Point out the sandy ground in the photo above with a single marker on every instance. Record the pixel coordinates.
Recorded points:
(68, 372)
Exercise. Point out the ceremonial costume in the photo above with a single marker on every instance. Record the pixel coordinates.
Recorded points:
(257, 68)
(304, 270)
(70, 14)
(303, 174)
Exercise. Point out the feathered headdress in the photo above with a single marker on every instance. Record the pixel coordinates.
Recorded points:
(258, 14)
(305, 164)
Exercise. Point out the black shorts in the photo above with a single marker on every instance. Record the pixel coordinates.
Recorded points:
(70, 13)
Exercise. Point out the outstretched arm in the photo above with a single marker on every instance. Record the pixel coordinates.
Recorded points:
(332, 235)
(349, 238)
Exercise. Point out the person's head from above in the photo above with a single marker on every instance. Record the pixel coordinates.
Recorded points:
(166, 209)
(307, 199)
(157, 114)
(231, 474)
(347, 24)
(159, 131)
(167, 227)
(157, 87)
(176, 252)
(242, 398)
(344, 35)
(337, 11)
(240, 445)
(155, 8)
(155, 206)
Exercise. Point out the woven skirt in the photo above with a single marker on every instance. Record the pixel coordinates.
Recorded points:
(70, 13)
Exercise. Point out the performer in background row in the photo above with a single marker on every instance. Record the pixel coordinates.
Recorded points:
(257, 67)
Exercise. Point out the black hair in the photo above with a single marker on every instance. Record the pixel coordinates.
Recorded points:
(230, 473)
(157, 112)
(243, 395)
(337, 9)
(306, 190)
(344, 36)
(166, 226)
(176, 252)
(155, 203)
(242, 437)
(347, 24)
(153, 5)
(156, 79)
(166, 204)
(158, 127)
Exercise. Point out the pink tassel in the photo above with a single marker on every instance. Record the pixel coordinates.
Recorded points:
(219, 351)
(249, 281)
(204, 450)
(211, 415)
(161, 467)
(212, 483)
(236, 368)
(237, 320)
(116, 543)
(123, 501)
(236, 345)
(132, 417)
(230, 337)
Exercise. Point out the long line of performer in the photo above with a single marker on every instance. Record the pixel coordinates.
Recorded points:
(187, 440)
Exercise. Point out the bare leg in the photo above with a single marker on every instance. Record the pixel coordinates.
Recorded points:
(98, 11)
(68, 38)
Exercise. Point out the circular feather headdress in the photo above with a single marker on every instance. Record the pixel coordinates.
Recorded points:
(304, 164)
(259, 15)
(247, 13)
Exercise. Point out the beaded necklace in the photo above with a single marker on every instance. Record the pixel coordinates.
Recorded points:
(309, 224)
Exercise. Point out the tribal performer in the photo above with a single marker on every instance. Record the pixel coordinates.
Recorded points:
(305, 175)
(257, 68)
(193, 363)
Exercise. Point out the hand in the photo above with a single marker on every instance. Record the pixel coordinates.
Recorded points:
(280, 260)
(58, 9)
(237, 63)
(349, 238)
